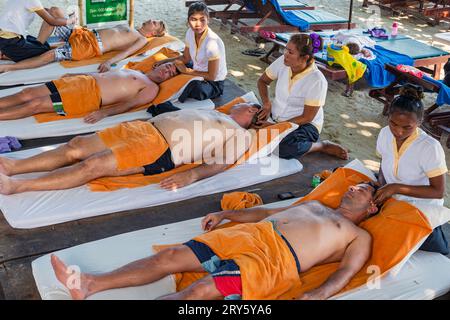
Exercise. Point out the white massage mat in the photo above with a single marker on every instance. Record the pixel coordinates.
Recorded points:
(55, 70)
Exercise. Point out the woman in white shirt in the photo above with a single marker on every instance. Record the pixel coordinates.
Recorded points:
(413, 166)
(300, 95)
(206, 51)
(15, 18)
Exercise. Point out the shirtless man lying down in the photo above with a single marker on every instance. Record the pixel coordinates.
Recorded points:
(82, 44)
(264, 254)
(207, 137)
(93, 96)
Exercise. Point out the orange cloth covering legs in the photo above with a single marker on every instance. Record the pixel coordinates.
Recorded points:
(240, 200)
(395, 231)
(80, 94)
(84, 44)
(134, 144)
(268, 268)
(262, 138)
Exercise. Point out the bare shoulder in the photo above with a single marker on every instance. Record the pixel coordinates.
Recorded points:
(315, 207)
(362, 234)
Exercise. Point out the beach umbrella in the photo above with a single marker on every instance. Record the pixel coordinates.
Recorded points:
(350, 13)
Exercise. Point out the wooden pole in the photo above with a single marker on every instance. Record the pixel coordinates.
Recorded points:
(350, 15)
(80, 7)
(131, 13)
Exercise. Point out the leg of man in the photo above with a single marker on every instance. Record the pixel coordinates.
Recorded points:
(46, 29)
(144, 271)
(21, 48)
(23, 96)
(34, 62)
(27, 109)
(77, 149)
(203, 289)
(102, 164)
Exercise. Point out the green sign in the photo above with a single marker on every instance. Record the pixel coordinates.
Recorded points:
(98, 11)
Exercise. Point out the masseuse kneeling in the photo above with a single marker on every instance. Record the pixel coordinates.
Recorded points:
(413, 166)
(300, 94)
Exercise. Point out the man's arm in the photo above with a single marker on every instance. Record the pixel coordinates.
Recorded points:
(145, 95)
(138, 44)
(256, 214)
(185, 178)
(356, 255)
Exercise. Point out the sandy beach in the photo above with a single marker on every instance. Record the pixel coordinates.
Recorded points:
(353, 122)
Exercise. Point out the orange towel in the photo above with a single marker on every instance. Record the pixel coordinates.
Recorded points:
(80, 95)
(147, 64)
(268, 269)
(153, 42)
(84, 44)
(261, 139)
(134, 144)
(240, 200)
(330, 191)
(395, 231)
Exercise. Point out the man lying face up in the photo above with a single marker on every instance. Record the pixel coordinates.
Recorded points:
(261, 258)
(206, 137)
(92, 95)
(82, 43)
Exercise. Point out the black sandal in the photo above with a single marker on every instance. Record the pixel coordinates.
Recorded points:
(254, 52)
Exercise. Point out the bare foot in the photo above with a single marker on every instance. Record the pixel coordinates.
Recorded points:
(3, 57)
(6, 166)
(5, 185)
(5, 68)
(334, 149)
(76, 282)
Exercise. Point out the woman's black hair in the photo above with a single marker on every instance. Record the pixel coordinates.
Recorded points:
(409, 100)
(198, 7)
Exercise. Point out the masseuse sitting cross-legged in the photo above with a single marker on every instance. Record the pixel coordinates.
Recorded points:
(300, 94)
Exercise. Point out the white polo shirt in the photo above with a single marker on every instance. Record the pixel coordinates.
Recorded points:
(420, 157)
(293, 93)
(210, 48)
(17, 15)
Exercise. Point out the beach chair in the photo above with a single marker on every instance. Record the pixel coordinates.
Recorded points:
(433, 11)
(437, 124)
(290, 16)
(427, 58)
